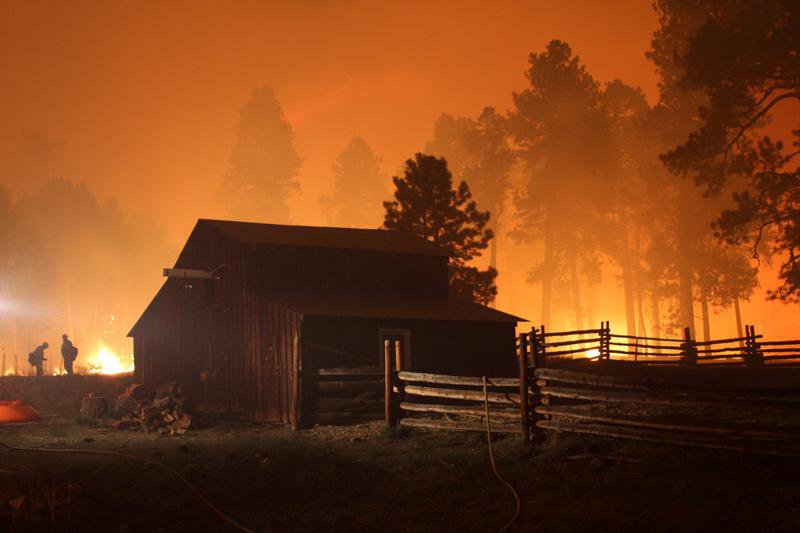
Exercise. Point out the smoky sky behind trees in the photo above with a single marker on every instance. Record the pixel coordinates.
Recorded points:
(591, 187)
(72, 264)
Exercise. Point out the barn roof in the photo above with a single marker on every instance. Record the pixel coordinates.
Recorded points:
(327, 237)
(391, 306)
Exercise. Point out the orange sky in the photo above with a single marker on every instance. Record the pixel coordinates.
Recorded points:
(144, 96)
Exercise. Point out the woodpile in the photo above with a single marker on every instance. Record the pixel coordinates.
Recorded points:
(165, 410)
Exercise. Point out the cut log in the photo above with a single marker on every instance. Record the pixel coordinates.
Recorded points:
(456, 394)
(665, 438)
(442, 379)
(351, 386)
(375, 371)
(576, 332)
(668, 398)
(583, 378)
(457, 426)
(459, 410)
(582, 414)
(658, 339)
(571, 342)
(723, 341)
(646, 346)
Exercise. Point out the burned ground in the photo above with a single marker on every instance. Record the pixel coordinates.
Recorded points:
(362, 478)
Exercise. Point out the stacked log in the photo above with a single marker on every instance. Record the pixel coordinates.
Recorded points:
(165, 410)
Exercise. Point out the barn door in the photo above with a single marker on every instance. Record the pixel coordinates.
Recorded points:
(398, 342)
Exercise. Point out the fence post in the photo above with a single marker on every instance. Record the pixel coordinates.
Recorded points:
(541, 348)
(398, 356)
(752, 356)
(605, 340)
(537, 353)
(523, 388)
(391, 418)
(689, 352)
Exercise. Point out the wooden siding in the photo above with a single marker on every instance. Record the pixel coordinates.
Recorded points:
(290, 268)
(437, 346)
(239, 353)
(272, 359)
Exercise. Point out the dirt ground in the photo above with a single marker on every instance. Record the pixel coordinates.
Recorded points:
(363, 478)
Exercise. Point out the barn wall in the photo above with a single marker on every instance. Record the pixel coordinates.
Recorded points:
(234, 352)
(193, 335)
(272, 357)
(293, 268)
(440, 346)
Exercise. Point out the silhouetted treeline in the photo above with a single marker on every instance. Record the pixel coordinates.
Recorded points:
(603, 183)
(72, 264)
(584, 163)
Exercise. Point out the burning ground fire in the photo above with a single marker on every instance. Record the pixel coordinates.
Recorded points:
(104, 360)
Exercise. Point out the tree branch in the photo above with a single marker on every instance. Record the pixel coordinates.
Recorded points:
(759, 115)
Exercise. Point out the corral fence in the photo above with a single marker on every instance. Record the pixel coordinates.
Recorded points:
(344, 395)
(740, 394)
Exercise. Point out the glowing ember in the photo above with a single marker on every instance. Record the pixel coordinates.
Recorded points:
(594, 352)
(105, 361)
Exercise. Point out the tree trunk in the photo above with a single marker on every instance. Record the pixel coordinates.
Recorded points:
(706, 318)
(738, 311)
(576, 290)
(640, 305)
(686, 299)
(14, 347)
(547, 272)
(685, 260)
(493, 252)
(627, 275)
(591, 307)
(655, 307)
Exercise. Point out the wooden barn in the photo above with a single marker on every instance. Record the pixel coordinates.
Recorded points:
(252, 315)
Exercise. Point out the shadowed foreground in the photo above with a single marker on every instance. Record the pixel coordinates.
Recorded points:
(362, 478)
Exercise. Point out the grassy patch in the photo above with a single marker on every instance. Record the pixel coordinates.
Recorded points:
(367, 479)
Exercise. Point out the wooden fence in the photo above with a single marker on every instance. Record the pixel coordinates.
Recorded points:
(704, 406)
(554, 348)
(740, 394)
(456, 403)
(344, 395)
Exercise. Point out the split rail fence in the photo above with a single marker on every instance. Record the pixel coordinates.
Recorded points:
(739, 394)
(344, 395)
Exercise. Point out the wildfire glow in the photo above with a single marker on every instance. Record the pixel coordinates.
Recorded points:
(105, 361)
(594, 352)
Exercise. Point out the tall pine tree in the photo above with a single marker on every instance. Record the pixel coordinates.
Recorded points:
(358, 188)
(263, 163)
(427, 204)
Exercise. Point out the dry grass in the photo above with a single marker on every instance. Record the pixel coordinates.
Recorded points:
(364, 478)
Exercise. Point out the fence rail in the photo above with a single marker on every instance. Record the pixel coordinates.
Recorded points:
(611, 406)
(454, 402)
(344, 395)
(668, 390)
